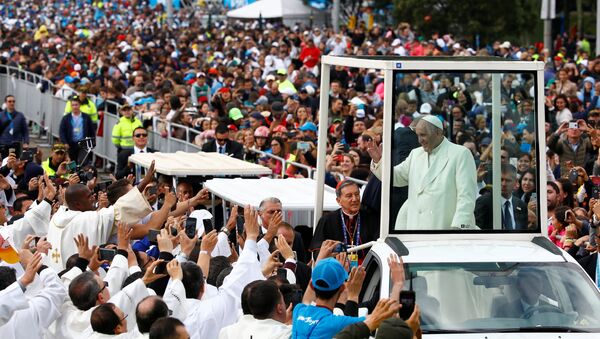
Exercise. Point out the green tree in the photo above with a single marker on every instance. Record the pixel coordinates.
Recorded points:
(492, 19)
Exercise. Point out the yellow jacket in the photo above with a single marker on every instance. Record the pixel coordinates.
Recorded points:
(122, 133)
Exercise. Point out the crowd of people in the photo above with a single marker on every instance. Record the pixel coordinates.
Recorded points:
(117, 258)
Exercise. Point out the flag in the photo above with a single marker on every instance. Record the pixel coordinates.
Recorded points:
(7, 252)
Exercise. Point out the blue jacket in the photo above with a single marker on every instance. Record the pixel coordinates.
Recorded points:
(66, 128)
(20, 129)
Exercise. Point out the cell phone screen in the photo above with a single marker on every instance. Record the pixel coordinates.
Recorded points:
(190, 227)
(106, 254)
(240, 224)
(208, 226)
(407, 300)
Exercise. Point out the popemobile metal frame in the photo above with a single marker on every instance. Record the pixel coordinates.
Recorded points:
(390, 65)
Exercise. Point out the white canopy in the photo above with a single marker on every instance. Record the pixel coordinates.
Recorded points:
(184, 164)
(295, 194)
(272, 9)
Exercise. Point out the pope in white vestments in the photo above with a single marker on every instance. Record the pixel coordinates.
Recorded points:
(441, 178)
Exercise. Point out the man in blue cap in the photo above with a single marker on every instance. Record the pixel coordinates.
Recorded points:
(318, 321)
(309, 130)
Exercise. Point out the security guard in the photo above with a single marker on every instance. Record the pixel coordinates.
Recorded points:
(87, 106)
(55, 165)
(122, 133)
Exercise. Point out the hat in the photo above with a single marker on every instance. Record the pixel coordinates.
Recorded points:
(213, 71)
(77, 67)
(425, 108)
(270, 77)
(396, 42)
(262, 132)
(281, 71)
(328, 275)
(486, 141)
(310, 90)
(505, 44)
(201, 75)
(232, 127)
(308, 126)
(125, 107)
(58, 147)
(277, 106)
(224, 90)
(235, 113)
(435, 121)
(280, 128)
(257, 116)
(360, 113)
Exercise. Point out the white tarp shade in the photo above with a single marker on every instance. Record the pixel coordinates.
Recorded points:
(271, 9)
(295, 194)
(184, 164)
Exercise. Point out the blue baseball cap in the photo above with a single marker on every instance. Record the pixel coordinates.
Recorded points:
(308, 126)
(328, 275)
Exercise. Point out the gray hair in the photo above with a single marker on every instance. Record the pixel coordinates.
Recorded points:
(273, 200)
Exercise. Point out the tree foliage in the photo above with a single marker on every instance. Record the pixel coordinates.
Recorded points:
(491, 19)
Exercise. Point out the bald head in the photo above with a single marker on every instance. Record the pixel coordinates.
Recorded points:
(148, 311)
(79, 198)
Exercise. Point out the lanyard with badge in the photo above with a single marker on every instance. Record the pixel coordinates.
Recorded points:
(353, 256)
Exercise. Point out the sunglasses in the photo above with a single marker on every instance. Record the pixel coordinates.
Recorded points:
(140, 135)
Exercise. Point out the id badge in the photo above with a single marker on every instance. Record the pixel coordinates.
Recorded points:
(353, 258)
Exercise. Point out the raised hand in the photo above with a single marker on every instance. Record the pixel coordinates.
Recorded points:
(251, 223)
(174, 270)
(82, 243)
(386, 308)
(31, 268)
(374, 150)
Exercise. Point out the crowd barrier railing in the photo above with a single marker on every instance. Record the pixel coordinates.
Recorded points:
(46, 110)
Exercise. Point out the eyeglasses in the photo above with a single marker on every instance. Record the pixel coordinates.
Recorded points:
(125, 317)
(103, 287)
(141, 135)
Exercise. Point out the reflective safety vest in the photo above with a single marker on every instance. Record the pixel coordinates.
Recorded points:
(122, 133)
(88, 108)
(46, 166)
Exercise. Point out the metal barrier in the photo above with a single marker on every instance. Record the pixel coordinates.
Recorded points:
(47, 110)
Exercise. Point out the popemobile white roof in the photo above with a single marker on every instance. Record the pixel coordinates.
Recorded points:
(422, 64)
(461, 251)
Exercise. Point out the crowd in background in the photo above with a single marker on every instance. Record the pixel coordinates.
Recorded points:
(251, 90)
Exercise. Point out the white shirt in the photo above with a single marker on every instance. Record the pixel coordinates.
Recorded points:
(137, 150)
(249, 327)
(12, 299)
(35, 221)
(42, 310)
(75, 323)
(205, 318)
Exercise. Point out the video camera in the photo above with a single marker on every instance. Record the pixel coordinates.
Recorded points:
(87, 144)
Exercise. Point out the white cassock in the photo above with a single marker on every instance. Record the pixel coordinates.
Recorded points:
(96, 225)
(75, 323)
(442, 187)
(205, 318)
(42, 310)
(256, 329)
(66, 224)
(35, 221)
(12, 299)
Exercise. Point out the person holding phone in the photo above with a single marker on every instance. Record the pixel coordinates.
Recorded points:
(55, 165)
(21, 170)
(573, 148)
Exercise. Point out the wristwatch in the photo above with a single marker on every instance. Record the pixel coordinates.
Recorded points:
(225, 230)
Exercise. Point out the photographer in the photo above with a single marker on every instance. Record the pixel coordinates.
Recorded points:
(21, 169)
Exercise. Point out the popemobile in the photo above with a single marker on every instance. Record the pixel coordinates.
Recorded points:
(478, 261)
